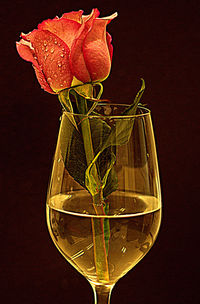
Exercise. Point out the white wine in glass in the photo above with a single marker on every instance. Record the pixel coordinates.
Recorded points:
(105, 235)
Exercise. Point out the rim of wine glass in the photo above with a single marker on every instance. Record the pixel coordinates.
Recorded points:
(139, 115)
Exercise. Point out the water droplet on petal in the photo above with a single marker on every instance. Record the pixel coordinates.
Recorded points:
(63, 49)
(62, 55)
(52, 50)
(55, 41)
(46, 49)
(61, 85)
(59, 64)
(45, 43)
(123, 249)
(49, 79)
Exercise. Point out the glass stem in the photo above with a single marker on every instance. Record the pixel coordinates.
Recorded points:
(102, 293)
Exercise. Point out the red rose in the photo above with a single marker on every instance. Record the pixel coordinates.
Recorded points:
(64, 50)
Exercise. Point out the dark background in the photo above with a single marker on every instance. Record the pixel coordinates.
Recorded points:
(156, 40)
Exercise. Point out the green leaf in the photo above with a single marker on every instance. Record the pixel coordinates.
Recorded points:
(133, 107)
(90, 181)
(72, 149)
(73, 154)
(100, 131)
(108, 174)
(119, 135)
(85, 90)
(121, 132)
(67, 105)
(104, 141)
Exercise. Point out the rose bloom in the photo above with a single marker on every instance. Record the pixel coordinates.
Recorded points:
(70, 50)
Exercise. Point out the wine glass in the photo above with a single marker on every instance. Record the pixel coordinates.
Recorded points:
(104, 234)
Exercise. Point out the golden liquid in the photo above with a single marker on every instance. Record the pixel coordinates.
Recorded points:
(134, 221)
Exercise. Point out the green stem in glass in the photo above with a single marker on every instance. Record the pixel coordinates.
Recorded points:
(97, 223)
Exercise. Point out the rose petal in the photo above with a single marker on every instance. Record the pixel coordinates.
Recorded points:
(26, 51)
(42, 81)
(96, 51)
(108, 36)
(64, 28)
(110, 47)
(53, 58)
(78, 66)
(76, 16)
(110, 18)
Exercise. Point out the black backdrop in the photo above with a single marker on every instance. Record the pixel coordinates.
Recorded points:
(156, 40)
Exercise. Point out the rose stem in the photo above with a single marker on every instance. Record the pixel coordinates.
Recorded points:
(97, 223)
